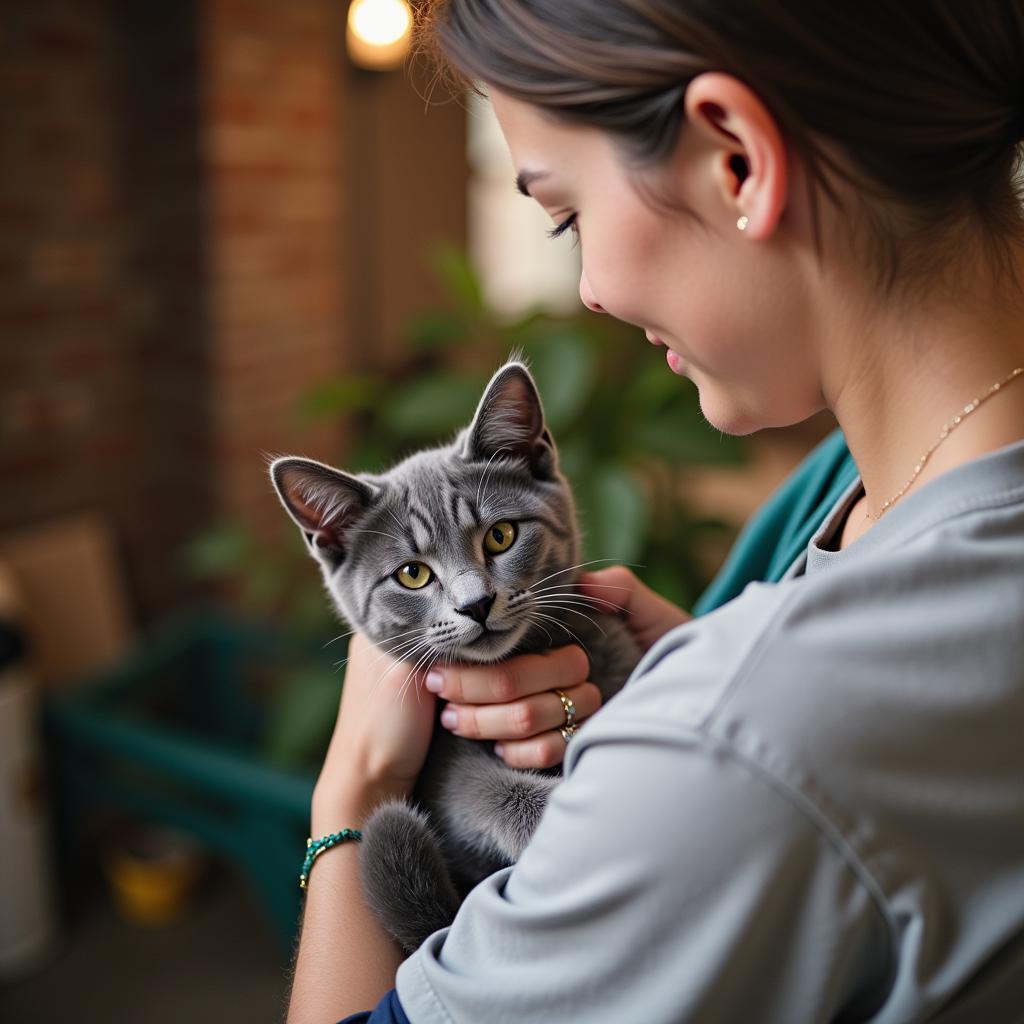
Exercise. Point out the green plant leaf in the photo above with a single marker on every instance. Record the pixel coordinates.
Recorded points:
(615, 514)
(301, 718)
(680, 433)
(351, 393)
(435, 330)
(219, 551)
(563, 365)
(452, 267)
(432, 406)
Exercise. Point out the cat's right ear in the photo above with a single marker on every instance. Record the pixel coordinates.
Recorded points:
(323, 502)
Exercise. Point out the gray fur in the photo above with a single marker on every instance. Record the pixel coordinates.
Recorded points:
(470, 813)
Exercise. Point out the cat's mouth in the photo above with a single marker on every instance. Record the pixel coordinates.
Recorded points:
(489, 644)
(487, 634)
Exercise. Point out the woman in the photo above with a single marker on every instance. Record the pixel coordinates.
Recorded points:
(807, 804)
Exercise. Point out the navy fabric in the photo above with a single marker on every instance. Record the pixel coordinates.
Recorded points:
(387, 1011)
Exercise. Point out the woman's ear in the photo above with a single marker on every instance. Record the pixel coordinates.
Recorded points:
(752, 162)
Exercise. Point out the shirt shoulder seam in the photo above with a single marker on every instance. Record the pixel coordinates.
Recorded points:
(818, 818)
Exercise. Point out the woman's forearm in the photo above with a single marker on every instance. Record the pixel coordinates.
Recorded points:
(346, 960)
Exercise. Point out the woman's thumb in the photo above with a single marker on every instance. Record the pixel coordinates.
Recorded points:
(648, 615)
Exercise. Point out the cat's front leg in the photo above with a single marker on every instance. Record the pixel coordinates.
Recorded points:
(487, 806)
(405, 878)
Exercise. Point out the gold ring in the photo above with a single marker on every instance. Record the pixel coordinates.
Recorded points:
(569, 708)
(568, 732)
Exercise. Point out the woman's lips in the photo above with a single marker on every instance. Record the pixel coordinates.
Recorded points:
(674, 360)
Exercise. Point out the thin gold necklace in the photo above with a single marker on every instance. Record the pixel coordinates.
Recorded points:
(946, 431)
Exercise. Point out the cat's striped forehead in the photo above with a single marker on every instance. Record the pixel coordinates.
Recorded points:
(441, 500)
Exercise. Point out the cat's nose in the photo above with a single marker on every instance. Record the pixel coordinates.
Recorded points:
(479, 609)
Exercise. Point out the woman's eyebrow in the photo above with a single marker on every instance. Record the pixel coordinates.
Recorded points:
(525, 178)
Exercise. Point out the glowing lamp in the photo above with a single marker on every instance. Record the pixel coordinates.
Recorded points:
(379, 33)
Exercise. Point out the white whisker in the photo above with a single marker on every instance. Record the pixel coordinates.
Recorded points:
(566, 608)
(422, 644)
(381, 534)
(603, 586)
(558, 622)
(380, 646)
(487, 469)
(531, 621)
(543, 595)
(593, 561)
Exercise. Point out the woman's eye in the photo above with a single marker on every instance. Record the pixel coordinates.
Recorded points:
(500, 537)
(564, 226)
(414, 575)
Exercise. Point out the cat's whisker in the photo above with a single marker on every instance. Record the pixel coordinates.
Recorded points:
(558, 622)
(543, 595)
(337, 638)
(398, 522)
(378, 643)
(487, 469)
(407, 682)
(384, 650)
(566, 608)
(531, 621)
(603, 586)
(381, 534)
(415, 652)
(580, 565)
(397, 651)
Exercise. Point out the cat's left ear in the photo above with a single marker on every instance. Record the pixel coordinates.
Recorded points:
(510, 420)
(324, 502)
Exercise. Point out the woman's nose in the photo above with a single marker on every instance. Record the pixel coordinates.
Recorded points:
(587, 295)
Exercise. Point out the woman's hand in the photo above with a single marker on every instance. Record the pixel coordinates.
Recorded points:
(648, 615)
(512, 702)
(381, 736)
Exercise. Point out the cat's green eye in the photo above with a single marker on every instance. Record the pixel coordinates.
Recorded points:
(414, 575)
(500, 537)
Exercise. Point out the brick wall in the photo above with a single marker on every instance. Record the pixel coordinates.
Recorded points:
(66, 403)
(181, 256)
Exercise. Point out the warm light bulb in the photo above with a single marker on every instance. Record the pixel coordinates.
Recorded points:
(379, 32)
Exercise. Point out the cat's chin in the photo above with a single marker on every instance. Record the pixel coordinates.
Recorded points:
(490, 646)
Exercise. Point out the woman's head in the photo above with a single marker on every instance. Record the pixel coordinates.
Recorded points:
(904, 117)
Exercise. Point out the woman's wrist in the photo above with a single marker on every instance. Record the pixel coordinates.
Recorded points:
(348, 802)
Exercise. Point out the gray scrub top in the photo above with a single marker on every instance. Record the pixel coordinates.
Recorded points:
(806, 805)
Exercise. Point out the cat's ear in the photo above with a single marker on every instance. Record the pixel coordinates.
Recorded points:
(510, 420)
(323, 502)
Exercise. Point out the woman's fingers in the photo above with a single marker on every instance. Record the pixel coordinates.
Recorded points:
(648, 615)
(544, 751)
(522, 719)
(559, 668)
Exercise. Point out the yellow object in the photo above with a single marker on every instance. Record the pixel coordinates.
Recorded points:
(379, 33)
(151, 879)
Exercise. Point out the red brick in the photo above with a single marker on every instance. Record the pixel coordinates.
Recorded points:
(26, 314)
(62, 44)
(18, 214)
(70, 262)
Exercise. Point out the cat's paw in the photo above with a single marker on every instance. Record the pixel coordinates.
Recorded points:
(404, 875)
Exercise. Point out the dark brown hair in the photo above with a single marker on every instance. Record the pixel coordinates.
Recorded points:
(920, 105)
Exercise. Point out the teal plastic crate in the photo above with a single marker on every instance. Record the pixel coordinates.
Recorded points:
(176, 735)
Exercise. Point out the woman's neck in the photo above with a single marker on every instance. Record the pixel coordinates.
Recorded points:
(903, 382)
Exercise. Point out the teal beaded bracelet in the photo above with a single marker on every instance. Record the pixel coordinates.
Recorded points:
(315, 848)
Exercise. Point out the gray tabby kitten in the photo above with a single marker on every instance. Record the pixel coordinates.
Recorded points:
(467, 552)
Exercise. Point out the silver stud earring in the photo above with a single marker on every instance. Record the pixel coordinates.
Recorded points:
(742, 223)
